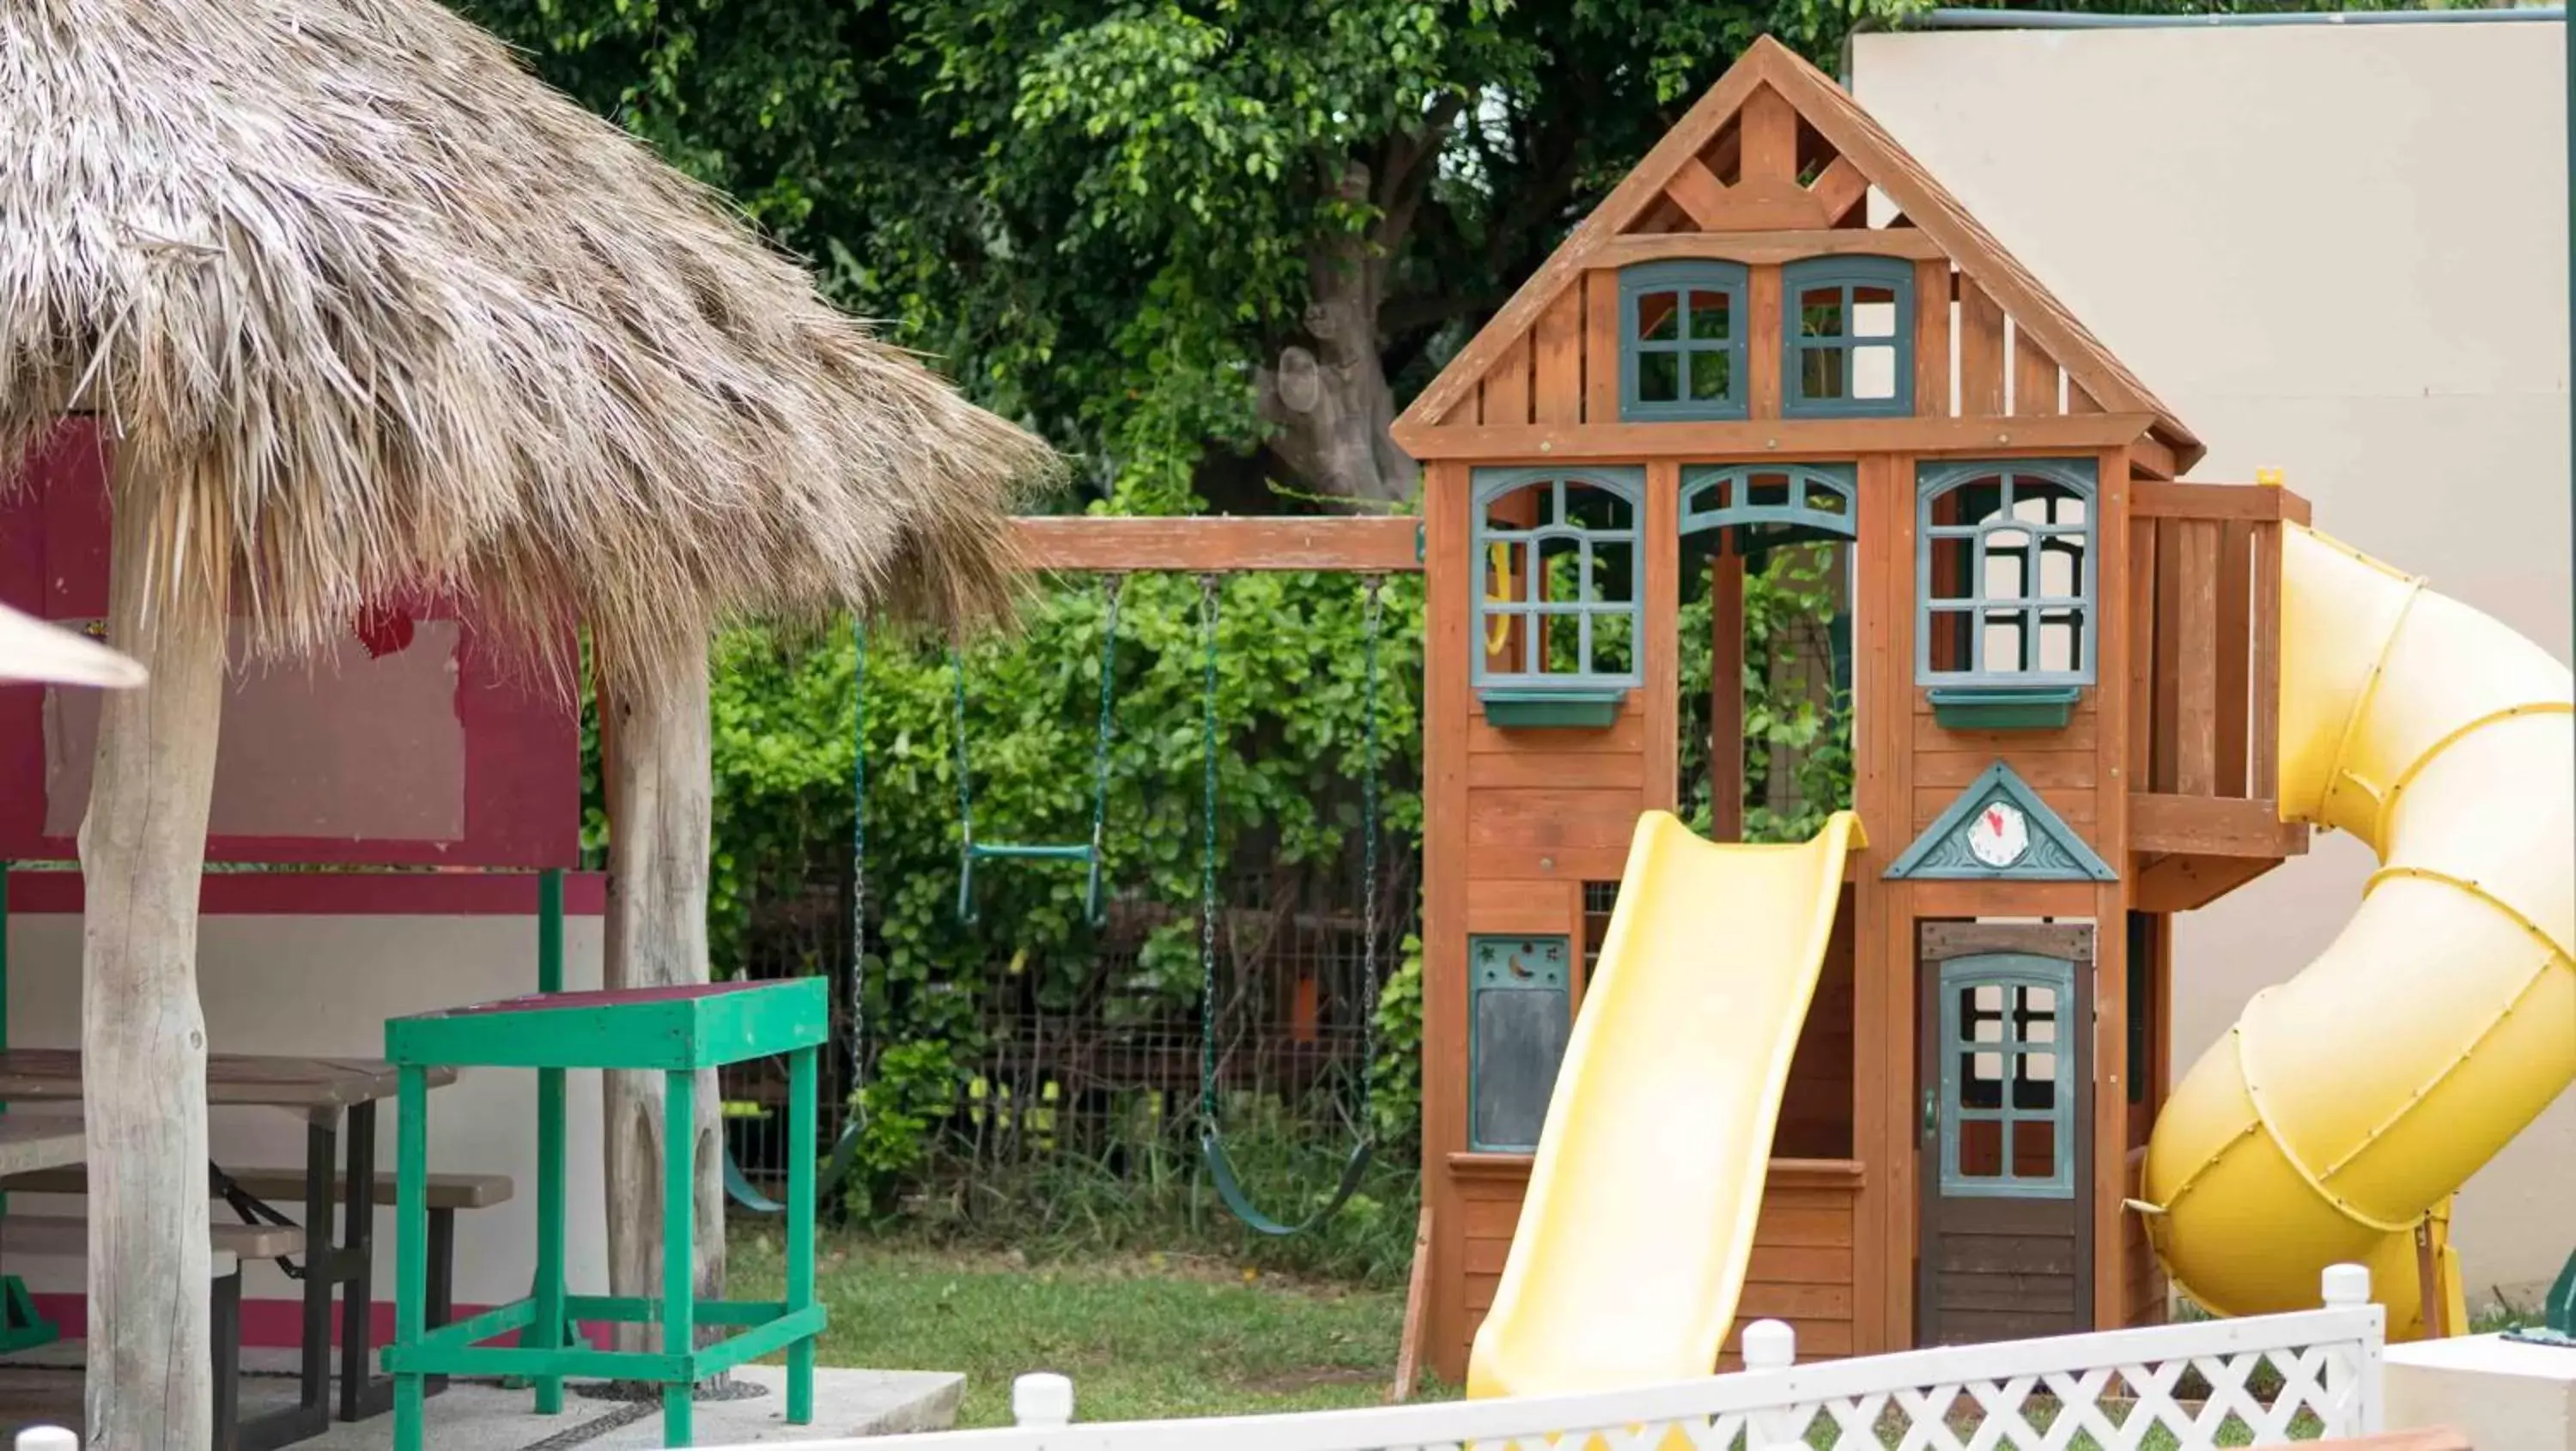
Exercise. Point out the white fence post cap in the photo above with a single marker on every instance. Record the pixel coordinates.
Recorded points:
(1042, 1399)
(47, 1438)
(1769, 1345)
(2345, 1286)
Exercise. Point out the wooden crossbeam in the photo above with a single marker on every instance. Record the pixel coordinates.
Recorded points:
(2210, 826)
(1782, 438)
(1385, 545)
(1839, 188)
(1773, 247)
(1696, 190)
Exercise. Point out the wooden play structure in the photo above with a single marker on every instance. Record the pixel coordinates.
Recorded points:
(1779, 332)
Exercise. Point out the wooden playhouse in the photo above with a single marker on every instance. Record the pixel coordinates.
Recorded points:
(1779, 333)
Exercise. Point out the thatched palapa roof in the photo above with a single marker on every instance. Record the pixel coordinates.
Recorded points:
(372, 308)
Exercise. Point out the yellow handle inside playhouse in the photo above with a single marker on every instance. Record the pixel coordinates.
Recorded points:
(2349, 1103)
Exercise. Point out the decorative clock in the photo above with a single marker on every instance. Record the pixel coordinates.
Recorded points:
(1998, 835)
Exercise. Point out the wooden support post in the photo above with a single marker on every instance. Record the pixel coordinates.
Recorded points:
(143, 1032)
(1726, 692)
(1447, 708)
(659, 788)
(549, 1331)
(2111, 967)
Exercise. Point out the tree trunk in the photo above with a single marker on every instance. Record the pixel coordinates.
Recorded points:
(660, 782)
(143, 1034)
(1330, 401)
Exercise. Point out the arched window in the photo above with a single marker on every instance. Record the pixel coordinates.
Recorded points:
(2005, 573)
(1848, 343)
(1681, 340)
(1772, 503)
(1559, 577)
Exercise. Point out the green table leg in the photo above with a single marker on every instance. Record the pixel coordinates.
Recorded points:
(800, 1229)
(411, 1252)
(679, 1247)
(549, 1332)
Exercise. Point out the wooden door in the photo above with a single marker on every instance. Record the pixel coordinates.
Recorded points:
(2006, 1249)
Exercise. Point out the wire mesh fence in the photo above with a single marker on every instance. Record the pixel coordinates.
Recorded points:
(1101, 1063)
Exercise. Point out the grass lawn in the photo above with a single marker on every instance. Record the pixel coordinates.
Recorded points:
(1143, 1337)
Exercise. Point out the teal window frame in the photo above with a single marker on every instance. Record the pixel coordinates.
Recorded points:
(1798, 519)
(1502, 963)
(2013, 973)
(1627, 483)
(1844, 274)
(1681, 278)
(2033, 605)
(1794, 521)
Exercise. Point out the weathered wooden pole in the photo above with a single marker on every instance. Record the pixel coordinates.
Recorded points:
(660, 785)
(143, 1035)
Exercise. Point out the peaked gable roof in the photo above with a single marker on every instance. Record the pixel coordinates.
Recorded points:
(1762, 120)
(2052, 852)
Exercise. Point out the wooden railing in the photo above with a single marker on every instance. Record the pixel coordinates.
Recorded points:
(2205, 652)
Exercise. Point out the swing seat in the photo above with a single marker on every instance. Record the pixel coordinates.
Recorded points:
(1230, 1188)
(1087, 852)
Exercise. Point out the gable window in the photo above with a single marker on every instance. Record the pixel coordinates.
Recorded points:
(1559, 592)
(1849, 338)
(2005, 573)
(1681, 340)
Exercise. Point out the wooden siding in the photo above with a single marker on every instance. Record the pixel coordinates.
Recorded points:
(2061, 765)
(1816, 1108)
(1801, 1270)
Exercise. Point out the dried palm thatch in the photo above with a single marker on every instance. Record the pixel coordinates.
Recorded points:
(369, 308)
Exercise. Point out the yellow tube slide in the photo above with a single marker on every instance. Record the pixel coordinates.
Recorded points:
(1639, 1219)
(2349, 1103)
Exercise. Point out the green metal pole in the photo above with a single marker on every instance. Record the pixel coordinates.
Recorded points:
(411, 1249)
(800, 1228)
(550, 1332)
(679, 1249)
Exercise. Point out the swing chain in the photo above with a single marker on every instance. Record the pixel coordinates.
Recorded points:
(1375, 586)
(1208, 609)
(1111, 587)
(858, 857)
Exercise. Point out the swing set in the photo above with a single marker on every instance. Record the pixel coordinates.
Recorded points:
(1114, 549)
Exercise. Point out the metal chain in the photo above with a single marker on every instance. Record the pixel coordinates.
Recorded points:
(1208, 606)
(957, 734)
(1111, 587)
(858, 852)
(1375, 585)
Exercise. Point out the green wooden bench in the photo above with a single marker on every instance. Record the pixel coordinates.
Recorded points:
(677, 1032)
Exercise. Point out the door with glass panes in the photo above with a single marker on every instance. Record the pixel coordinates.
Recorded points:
(2006, 1076)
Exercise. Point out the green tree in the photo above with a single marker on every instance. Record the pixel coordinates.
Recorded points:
(1204, 246)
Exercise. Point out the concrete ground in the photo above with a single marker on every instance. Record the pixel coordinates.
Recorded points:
(43, 1387)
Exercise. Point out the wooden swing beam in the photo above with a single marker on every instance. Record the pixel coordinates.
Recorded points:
(1390, 544)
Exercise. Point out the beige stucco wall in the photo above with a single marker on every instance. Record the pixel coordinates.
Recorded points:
(323, 987)
(2342, 252)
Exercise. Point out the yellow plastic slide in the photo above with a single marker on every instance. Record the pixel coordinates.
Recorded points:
(1642, 1200)
(2351, 1102)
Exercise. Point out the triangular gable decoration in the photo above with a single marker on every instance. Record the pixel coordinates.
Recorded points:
(2000, 828)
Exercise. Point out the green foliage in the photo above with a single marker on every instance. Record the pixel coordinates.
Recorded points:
(1103, 217)
(1396, 1115)
(1292, 710)
(1790, 604)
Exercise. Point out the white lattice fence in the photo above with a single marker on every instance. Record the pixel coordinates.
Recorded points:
(2260, 1381)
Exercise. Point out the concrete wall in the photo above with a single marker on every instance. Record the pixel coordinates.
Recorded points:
(323, 987)
(2342, 252)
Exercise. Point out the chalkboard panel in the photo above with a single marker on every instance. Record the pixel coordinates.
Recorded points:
(1518, 1022)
